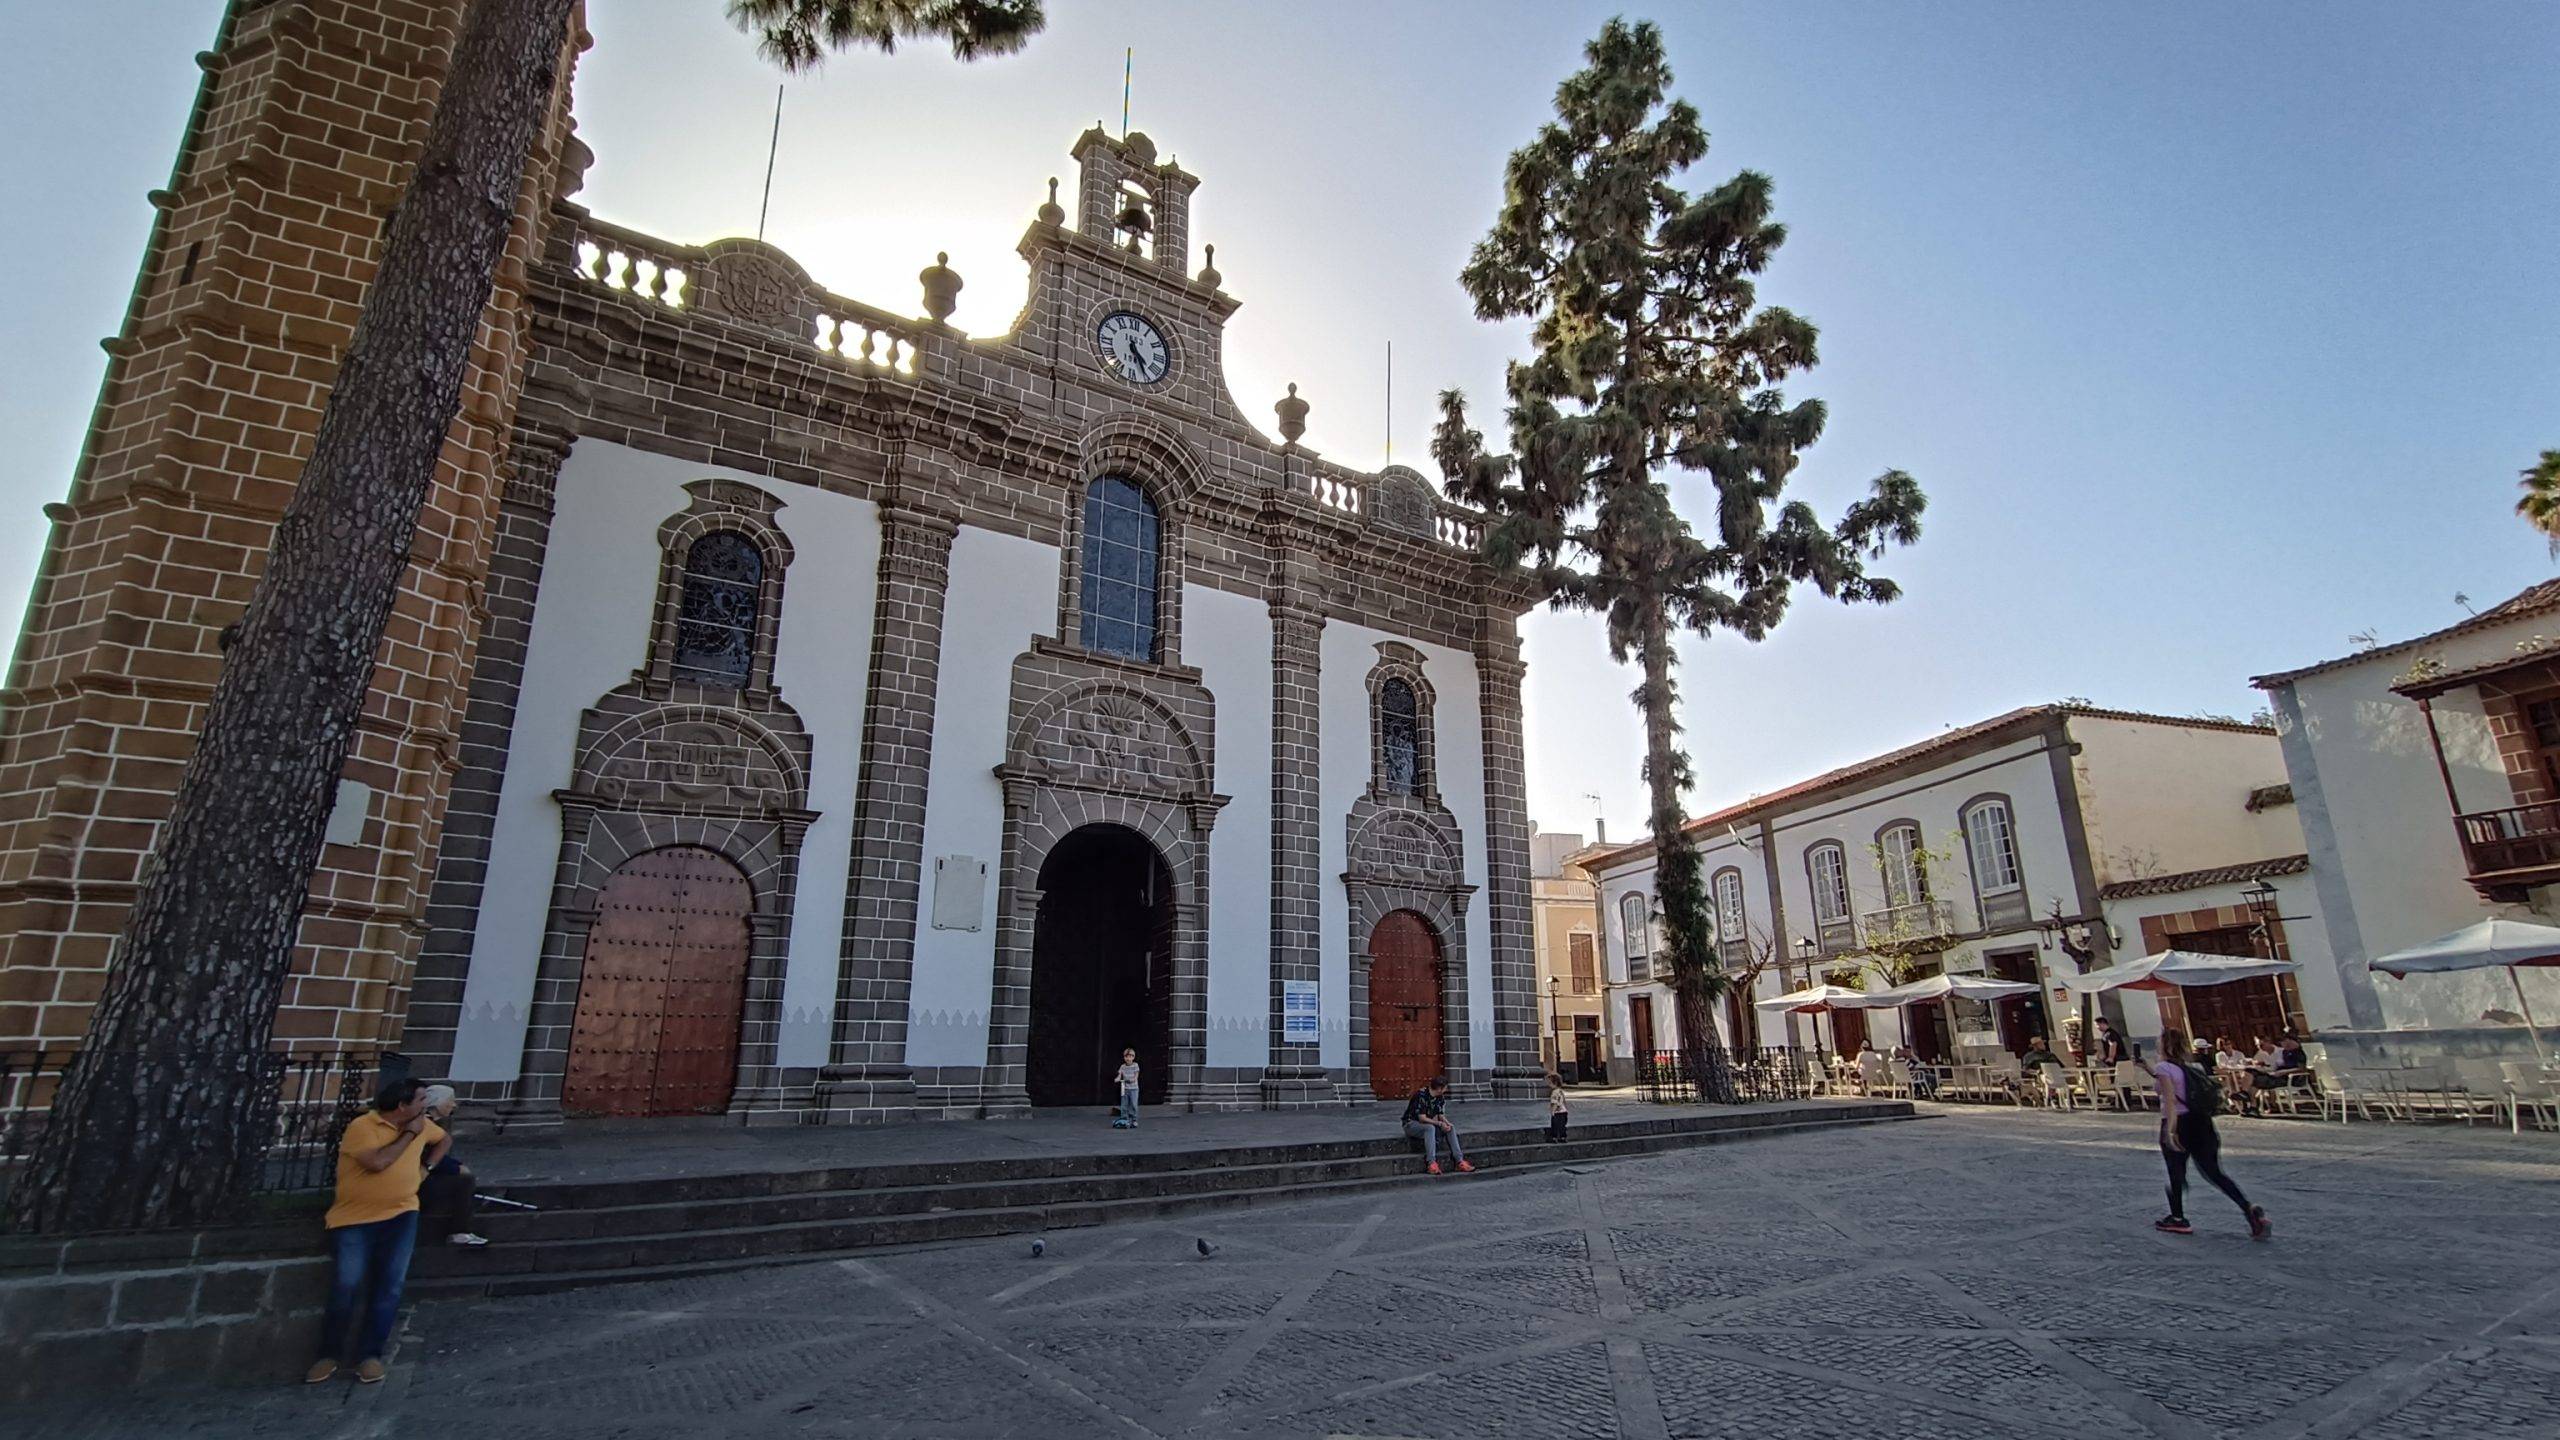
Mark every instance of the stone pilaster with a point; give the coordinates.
(1506, 823)
(488, 725)
(1295, 1074)
(868, 1070)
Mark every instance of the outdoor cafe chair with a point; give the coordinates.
(2531, 1088)
(2434, 1089)
(1897, 1080)
(2131, 1086)
(2055, 1082)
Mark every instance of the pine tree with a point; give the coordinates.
(1653, 365)
(160, 1120)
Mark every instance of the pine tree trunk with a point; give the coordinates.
(1697, 981)
(160, 1120)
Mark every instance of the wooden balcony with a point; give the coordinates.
(2510, 851)
(1920, 925)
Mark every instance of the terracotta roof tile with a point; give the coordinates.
(2199, 879)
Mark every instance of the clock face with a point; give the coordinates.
(1132, 348)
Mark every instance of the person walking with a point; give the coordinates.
(446, 1200)
(383, 1158)
(1425, 1120)
(2189, 1099)
(1558, 1114)
(2111, 1047)
(1127, 1118)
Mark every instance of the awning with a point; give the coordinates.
(2178, 970)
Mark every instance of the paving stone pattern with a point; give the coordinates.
(1973, 1274)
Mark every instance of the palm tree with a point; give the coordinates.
(2540, 506)
(158, 1121)
(1654, 361)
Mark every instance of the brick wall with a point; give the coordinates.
(310, 114)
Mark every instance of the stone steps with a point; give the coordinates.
(601, 1233)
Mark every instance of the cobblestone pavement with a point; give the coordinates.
(1973, 1274)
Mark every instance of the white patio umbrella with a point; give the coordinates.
(2485, 945)
(2178, 970)
(1949, 987)
(1816, 1000)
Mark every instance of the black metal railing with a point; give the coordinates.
(1741, 1077)
(313, 1094)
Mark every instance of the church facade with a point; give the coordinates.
(859, 719)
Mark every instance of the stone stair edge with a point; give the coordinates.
(742, 1184)
(940, 1227)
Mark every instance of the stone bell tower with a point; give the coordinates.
(308, 119)
(1126, 196)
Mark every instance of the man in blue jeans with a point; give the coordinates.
(1424, 1121)
(373, 1226)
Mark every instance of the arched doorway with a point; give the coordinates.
(1101, 969)
(1406, 1048)
(662, 989)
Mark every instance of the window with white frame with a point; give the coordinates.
(1991, 843)
(1729, 914)
(1827, 865)
(1635, 925)
(1906, 874)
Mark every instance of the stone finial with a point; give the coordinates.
(1293, 416)
(1209, 275)
(1051, 213)
(941, 287)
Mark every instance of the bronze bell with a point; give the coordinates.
(1133, 219)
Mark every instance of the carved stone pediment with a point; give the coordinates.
(1106, 734)
(1405, 842)
(753, 284)
(1402, 501)
(684, 758)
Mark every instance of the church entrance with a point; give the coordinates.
(1101, 969)
(1405, 1048)
(662, 990)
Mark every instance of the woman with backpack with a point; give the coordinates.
(2189, 1099)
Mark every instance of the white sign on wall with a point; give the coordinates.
(959, 892)
(1301, 1009)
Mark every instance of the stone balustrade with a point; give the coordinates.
(749, 283)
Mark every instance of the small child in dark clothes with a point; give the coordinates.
(1557, 1112)
(1127, 1118)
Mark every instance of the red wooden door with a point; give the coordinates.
(1640, 1027)
(663, 989)
(1404, 1006)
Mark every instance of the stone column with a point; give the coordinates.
(868, 1072)
(1295, 1074)
(1506, 860)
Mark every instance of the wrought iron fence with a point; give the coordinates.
(313, 1095)
(1743, 1077)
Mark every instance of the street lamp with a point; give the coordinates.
(2261, 900)
(1807, 950)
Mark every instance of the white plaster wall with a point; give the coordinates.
(2306, 940)
(590, 632)
(822, 663)
(1348, 653)
(1003, 591)
(1228, 637)
(2389, 834)
(2169, 798)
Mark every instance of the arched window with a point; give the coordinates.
(1122, 538)
(1906, 869)
(1828, 866)
(1991, 843)
(1729, 913)
(1399, 739)
(716, 614)
(1635, 927)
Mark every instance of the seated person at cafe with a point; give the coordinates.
(2036, 1056)
(1924, 1081)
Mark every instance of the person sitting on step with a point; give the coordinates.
(1425, 1120)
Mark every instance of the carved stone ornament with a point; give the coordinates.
(689, 762)
(1402, 501)
(1402, 847)
(754, 289)
(1111, 741)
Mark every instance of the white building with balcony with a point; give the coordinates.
(2024, 847)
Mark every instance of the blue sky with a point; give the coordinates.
(2216, 333)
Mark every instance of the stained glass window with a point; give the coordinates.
(1399, 738)
(1121, 539)
(716, 615)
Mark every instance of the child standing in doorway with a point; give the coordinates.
(1557, 1112)
(1127, 1118)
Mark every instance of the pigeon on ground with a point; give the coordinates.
(1205, 1248)
(1039, 1248)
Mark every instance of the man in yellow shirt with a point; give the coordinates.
(373, 1227)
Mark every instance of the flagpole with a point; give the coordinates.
(1128, 68)
(1391, 402)
(771, 149)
